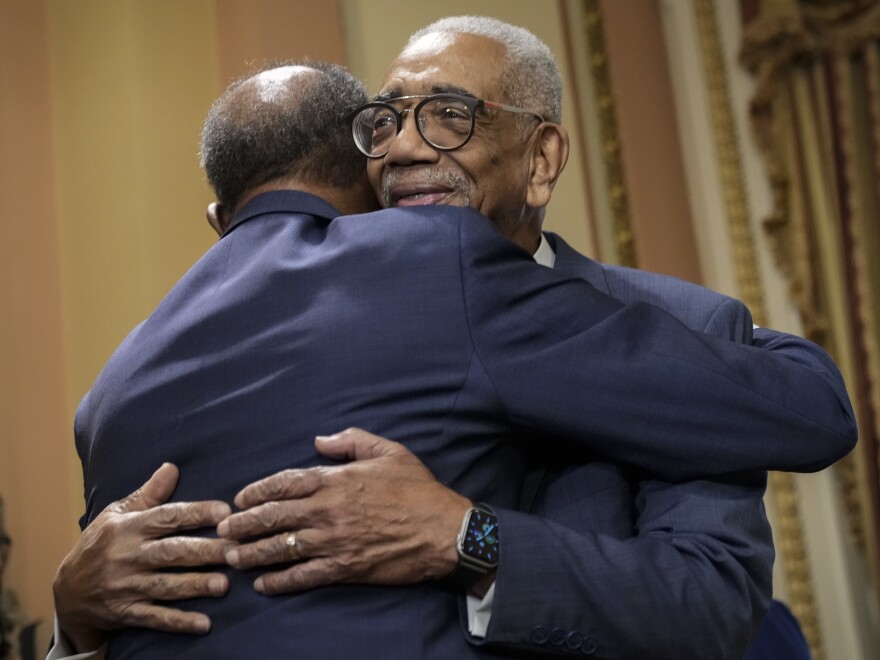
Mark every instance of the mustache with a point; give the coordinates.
(423, 174)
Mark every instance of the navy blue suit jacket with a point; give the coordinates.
(424, 325)
(615, 548)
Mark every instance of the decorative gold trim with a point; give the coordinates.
(862, 201)
(782, 486)
(796, 564)
(609, 134)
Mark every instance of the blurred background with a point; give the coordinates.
(734, 143)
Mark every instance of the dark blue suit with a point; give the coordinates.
(617, 531)
(429, 327)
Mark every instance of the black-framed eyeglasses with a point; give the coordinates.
(445, 121)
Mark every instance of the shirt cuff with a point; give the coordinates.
(61, 649)
(480, 612)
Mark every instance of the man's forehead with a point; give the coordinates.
(429, 44)
(446, 62)
(394, 89)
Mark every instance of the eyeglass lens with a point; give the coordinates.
(444, 122)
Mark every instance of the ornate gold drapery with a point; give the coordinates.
(816, 117)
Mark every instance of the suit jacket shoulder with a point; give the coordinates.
(697, 307)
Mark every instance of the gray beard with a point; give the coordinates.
(455, 182)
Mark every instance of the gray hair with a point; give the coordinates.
(299, 130)
(530, 77)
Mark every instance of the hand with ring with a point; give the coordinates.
(380, 519)
(290, 542)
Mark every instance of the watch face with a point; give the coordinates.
(481, 537)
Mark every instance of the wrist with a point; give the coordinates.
(447, 535)
(82, 636)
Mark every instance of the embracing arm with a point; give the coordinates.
(738, 408)
(627, 382)
(701, 548)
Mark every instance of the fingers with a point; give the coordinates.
(182, 551)
(168, 619)
(157, 489)
(279, 549)
(167, 518)
(300, 577)
(357, 444)
(289, 484)
(261, 520)
(177, 586)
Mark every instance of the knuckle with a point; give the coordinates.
(253, 554)
(276, 583)
(168, 551)
(192, 586)
(277, 485)
(169, 515)
(197, 512)
(156, 585)
(212, 551)
(165, 619)
(269, 515)
(345, 565)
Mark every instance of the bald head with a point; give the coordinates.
(285, 122)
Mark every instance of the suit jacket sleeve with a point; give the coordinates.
(702, 549)
(633, 384)
(685, 586)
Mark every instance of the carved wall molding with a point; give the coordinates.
(609, 135)
(783, 490)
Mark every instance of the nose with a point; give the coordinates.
(408, 146)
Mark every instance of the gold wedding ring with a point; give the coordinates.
(290, 543)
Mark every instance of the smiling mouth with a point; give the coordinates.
(418, 198)
(420, 186)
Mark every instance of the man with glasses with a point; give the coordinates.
(433, 138)
(288, 542)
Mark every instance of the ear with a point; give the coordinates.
(549, 155)
(218, 218)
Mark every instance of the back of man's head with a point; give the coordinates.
(530, 76)
(284, 121)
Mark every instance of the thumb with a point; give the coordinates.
(157, 490)
(357, 445)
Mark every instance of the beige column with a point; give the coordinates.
(652, 160)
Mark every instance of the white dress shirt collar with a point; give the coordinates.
(545, 255)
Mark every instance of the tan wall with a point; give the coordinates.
(102, 210)
(35, 449)
(102, 199)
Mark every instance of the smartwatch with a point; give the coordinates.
(477, 547)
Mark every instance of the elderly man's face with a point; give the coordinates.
(489, 173)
